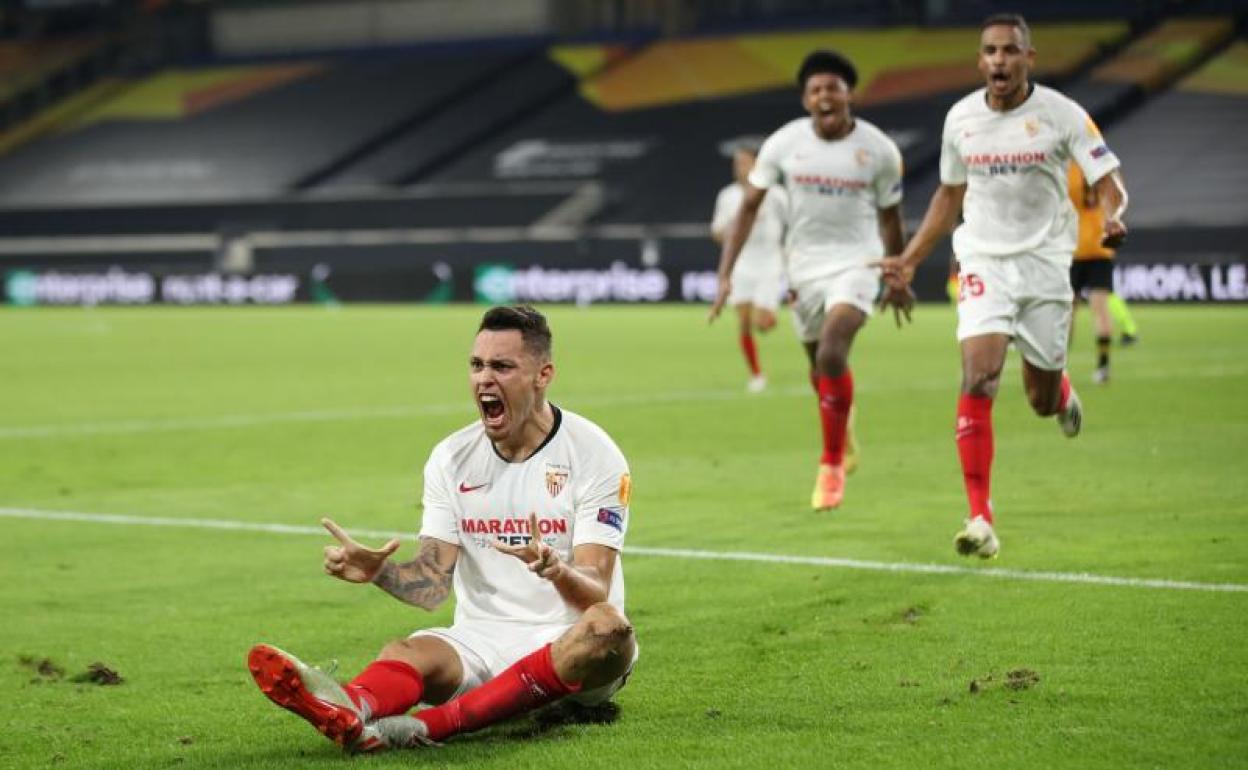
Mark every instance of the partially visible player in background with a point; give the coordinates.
(1092, 271)
(1121, 314)
(1003, 159)
(843, 179)
(756, 279)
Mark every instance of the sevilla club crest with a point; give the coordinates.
(556, 478)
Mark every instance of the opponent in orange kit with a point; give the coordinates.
(1092, 272)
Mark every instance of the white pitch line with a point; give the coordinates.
(946, 569)
(676, 553)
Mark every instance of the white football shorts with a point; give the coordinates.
(488, 649)
(1025, 297)
(855, 286)
(760, 287)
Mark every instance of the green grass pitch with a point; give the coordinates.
(286, 415)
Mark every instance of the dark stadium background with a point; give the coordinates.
(267, 151)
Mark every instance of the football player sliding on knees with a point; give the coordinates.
(539, 597)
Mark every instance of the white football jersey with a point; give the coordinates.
(761, 252)
(577, 483)
(835, 190)
(1014, 166)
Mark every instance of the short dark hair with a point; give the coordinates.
(1008, 20)
(534, 331)
(827, 61)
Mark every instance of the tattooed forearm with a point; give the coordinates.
(421, 581)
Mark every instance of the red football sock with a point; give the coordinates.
(751, 353)
(975, 451)
(1065, 397)
(836, 396)
(387, 687)
(530, 683)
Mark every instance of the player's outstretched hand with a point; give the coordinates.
(1115, 234)
(351, 561)
(900, 299)
(894, 270)
(721, 299)
(541, 559)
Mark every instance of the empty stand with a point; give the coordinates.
(653, 128)
(443, 206)
(476, 112)
(1184, 152)
(368, 163)
(1149, 64)
(235, 132)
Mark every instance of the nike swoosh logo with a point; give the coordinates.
(463, 486)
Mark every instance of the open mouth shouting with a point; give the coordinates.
(827, 112)
(999, 80)
(832, 119)
(493, 411)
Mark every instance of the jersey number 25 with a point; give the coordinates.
(969, 286)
